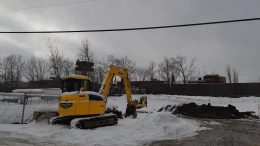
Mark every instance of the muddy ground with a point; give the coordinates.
(11, 141)
(7, 139)
(229, 133)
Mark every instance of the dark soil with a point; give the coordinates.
(208, 111)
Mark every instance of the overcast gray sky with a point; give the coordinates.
(214, 46)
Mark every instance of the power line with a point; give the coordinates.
(44, 6)
(137, 28)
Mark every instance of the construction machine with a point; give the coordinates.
(84, 109)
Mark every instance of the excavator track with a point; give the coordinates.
(86, 122)
(94, 122)
(60, 120)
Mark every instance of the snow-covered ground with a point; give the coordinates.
(146, 127)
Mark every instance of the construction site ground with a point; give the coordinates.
(221, 132)
(150, 128)
(226, 133)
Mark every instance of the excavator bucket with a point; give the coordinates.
(131, 107)
(142, 102)
(131, 110)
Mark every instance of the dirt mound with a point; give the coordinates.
(208, 111)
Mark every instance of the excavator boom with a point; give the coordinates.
(123, 74)
(106, 84)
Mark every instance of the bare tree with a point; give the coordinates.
(55, 60)
(36, 69)
(4, 68)
(187, 69)
(1, 71)
(30, 66)
(111, 59)
(232, 76)
(229, 75)
(41, 69)
(100, 69)
(99, 73)
(19, 68)
(68, 67)
(124, 62)
(151, 70)
(85, 54)
(142, 73)
(8, 67)
(168, 70)
(129, 64)
(235, 76)
(12, 69)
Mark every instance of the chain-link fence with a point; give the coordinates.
(18, 108)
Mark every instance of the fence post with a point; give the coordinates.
(24, 99)
(258, 105)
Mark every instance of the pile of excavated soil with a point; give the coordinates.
(208, 111)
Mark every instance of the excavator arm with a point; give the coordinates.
(123, 74)
(106, 84)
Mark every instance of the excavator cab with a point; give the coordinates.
(77, 99)
(75, 83)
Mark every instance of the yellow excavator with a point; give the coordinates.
(84, 109)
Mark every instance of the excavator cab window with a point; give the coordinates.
(95, 97)
(70, 84)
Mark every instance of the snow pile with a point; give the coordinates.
(145, 110)
(165, 125)
(147, 127)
